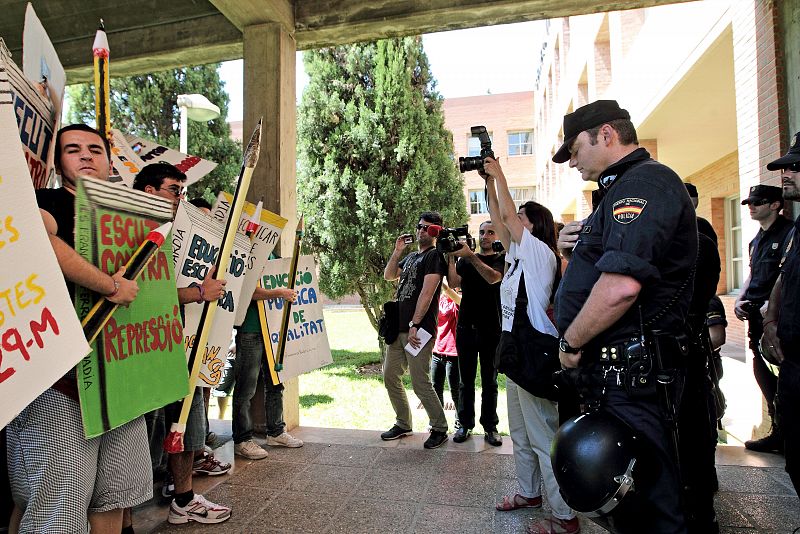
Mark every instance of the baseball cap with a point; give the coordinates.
(585, 118)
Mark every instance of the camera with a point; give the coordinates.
(449, 239)
(475, 163)
(497, 246)
(408, 238)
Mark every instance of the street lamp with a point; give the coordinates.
(199, 109)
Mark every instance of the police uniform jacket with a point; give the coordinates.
(789, 318)
(643, 227)
(766, 249)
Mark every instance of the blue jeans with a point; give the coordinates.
(441, 367)
(248, 368)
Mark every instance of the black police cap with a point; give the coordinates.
(792, 156)
(764, 192)
(691, 189)
(585, 118)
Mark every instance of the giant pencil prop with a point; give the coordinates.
(101, 312)
(101, 85)
(174, 440)
(287, 304)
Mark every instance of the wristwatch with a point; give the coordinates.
(412, 324)
(563, 346)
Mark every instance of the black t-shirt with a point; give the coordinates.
(706, 278)
(716, 313)
(704, 227)
(766, 250)
(414, 268)
(644, 227)
(789, 318)
(60, 203)
(480, 300)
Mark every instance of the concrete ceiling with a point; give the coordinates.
(695, 124)
(151, 35)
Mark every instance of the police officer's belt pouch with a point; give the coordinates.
(527, 356)
(389, 323)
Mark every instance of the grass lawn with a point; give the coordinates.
(349, 393)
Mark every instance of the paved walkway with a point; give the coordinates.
(350, 481)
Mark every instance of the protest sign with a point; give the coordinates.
(34, 114)
(307, 337)
(263, 242)
(151, 152)
(138, 363)
(196, 240)
(40, 335)
(126, 164)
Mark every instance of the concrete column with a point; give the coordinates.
(269, 92)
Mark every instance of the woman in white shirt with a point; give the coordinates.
(529, 235)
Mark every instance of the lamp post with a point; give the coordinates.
(199, 109)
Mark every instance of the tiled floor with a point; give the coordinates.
(350, 481)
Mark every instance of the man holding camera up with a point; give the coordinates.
(765, 203)
(420, 275)
(478, 331)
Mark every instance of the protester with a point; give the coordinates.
(166, 181)
(478, 276)
(782, 321)
(765, 203)
(526, 293)
(250, 368)
(630, 266)
(444, 362)
(420, 275)
(65, 484)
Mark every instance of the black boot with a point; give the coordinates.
(772, 442)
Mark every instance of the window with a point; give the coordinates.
(477, 202)
(474, 145)
(520, 143)
(521, 195)
(734, 257)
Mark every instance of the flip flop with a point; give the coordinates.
(513, 503)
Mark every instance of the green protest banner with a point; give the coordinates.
(138, 361)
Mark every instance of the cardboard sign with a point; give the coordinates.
(35, 117)
(40, 336)
(262, 244)
(307, 336)
(196, 240)
(126, 164)
(151, 152)
(138, 363)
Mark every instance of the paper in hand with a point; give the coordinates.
(424, 336)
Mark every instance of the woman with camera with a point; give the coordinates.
(526, 293)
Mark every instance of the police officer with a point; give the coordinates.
(631, 268)
(782, 321)
(765, 203)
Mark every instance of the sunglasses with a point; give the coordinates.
(176, 190)
(794, 167)
(422, 226)
(759, 202)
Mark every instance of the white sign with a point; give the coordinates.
(151, 152)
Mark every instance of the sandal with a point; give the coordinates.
(518, 501)
(554, 525)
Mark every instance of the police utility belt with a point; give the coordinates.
(639, 363)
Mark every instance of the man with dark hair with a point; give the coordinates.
(420, 275)
(765, 203)
(166, 181)
(478, 331)
(630, 267)
(60, 480)
(782, 320)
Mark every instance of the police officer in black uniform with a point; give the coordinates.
(631, 270)
(782, 321)
(765, 203)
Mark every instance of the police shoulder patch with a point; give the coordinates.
(627, 210)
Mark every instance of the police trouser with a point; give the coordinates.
(788, 411)
(766, 379)
(697, 430)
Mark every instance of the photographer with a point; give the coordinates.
(478, 276)
(530, 237)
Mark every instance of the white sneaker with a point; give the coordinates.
(284, 440)
(249, 449)
(199, 509)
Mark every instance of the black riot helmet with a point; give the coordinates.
(595, 456)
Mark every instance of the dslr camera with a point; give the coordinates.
(450, 239)
(475, 163)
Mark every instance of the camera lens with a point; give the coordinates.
(467, 164)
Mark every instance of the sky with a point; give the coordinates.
(493, 59)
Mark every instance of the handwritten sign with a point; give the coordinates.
(138, 362)
(126, 164)
(262, 243)
(151, 152)
(196, 239)
(40, 336)
(34, 114)
(307, 345)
